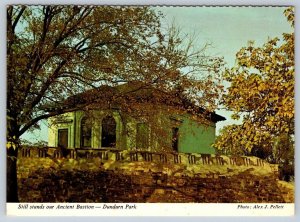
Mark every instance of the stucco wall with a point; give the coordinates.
(65, 121)
(194, 137)
(72, 122)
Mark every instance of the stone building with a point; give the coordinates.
(107, 124)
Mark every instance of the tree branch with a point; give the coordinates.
(18, 17)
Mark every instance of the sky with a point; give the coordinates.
(228, 29)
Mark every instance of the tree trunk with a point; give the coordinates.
(11, 173)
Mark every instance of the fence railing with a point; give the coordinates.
(139, 155)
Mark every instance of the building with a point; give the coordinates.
(147, 122)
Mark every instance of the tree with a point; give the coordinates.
(262, 91)
(56, 52)
(236, 140)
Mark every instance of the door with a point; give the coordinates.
(109, 126)
(63, 138)
(175, 138)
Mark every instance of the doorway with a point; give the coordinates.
(63, 141)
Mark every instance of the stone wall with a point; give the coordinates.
(133, 177)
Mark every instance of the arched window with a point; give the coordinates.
(108, 132)
(86, 133)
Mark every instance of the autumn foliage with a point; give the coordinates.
(262, 93)
(55, 52)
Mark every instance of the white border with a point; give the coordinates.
(149, 209)
(217, 209)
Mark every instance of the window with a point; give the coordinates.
(175, 137)
(142, 136)
(108, 132)
(86, 133)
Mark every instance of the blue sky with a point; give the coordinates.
(227, 28)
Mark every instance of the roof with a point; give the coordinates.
(109, 96)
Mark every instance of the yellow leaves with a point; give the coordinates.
(11, 145)
(267, 68)
(262, 85)
(235, 116)
(288, 114)
(256, 138)
(71, 49)
(290, 15)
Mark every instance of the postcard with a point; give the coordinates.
(150, 110)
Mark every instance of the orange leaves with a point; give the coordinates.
(60, 51)
(269, 88)
(262, 85)
(290, 15)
